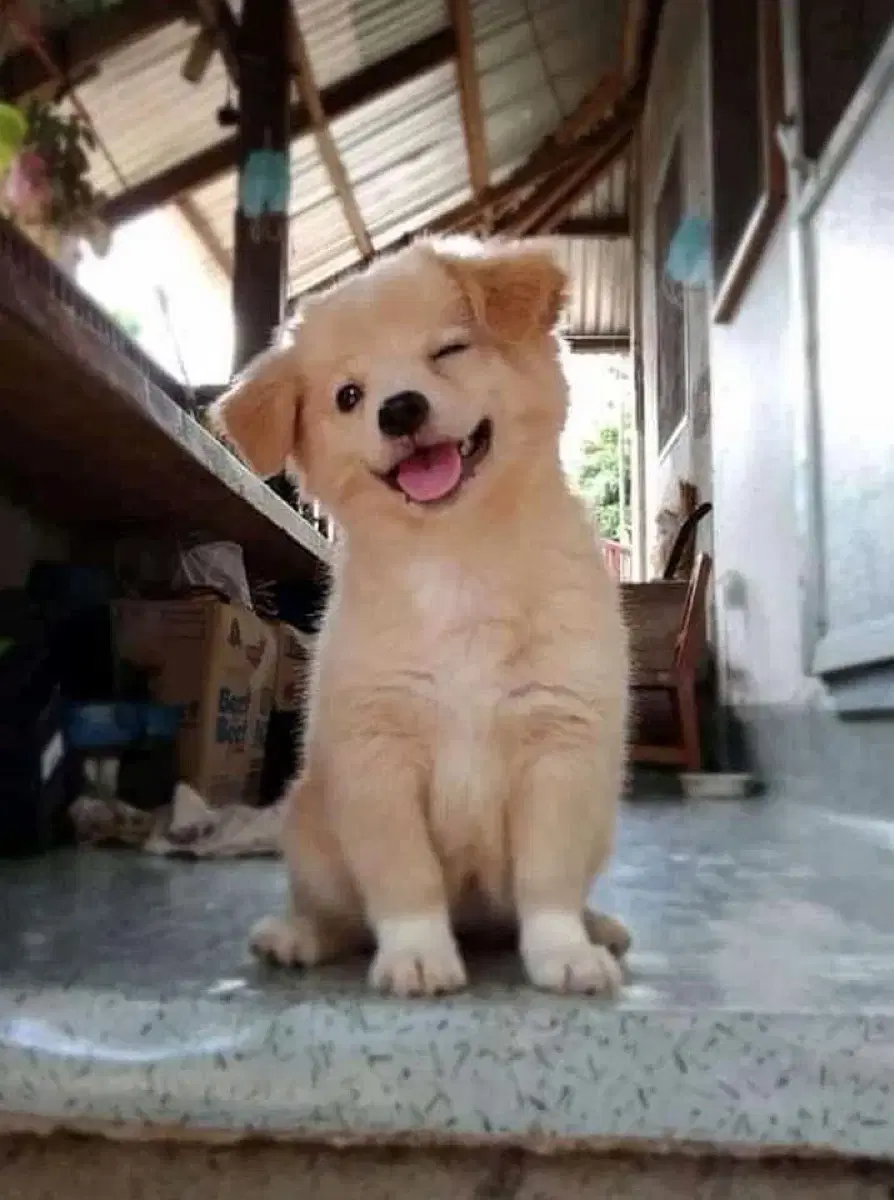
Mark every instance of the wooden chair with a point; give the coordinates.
(666, 624)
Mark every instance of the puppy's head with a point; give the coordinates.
(415, 390)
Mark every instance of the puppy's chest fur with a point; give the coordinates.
(466, 642)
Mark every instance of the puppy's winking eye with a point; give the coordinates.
(451, 348)
(348, 397)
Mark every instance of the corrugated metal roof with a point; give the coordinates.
(343, 36)
(609, 198)
(536, 60)
(405, 155)
(601, 272)
(405, 152)
(147, 115)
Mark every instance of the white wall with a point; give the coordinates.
(748, 464)
(755, 532)
(677, 102)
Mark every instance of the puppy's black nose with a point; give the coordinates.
(403, 414)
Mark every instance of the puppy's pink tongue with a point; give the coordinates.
(431, 473)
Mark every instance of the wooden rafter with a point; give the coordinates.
(605, 228)
(470, 96)
(203, 230)
(338, 99)
(635, 16)
(219, 23)
(309, 95)
(596, 105)
(550, 202)
(81, 47)
(547, 160)
(560, 152)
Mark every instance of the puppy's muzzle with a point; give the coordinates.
(403, 414)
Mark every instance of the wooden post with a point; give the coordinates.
(261, 247)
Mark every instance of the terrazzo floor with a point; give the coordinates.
(759, 1013)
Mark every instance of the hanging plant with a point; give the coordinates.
(45, 187)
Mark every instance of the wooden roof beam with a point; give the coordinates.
(635, 15)
(608, 228)
(548, 159)
(218, 23)
(202, 229)
(470, 96)
(550, 202)
(338, 100)
(81, 47)
(310, 97)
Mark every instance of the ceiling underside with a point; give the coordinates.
(401, 115)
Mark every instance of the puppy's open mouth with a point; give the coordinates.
(432, 474)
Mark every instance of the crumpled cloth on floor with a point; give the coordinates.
(188, 827)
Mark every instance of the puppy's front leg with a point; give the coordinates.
(562, 826)
(378, 791)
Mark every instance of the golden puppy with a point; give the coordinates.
(465, 734)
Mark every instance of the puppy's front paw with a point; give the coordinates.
(288, 943)
(559, 956)
(592, 969)
(417, 956)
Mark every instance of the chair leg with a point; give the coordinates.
(689, 730)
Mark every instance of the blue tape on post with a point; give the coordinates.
(264, 186)
(689, 254)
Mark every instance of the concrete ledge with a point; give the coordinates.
(62, 1167)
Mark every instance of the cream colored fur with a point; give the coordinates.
(465, 736)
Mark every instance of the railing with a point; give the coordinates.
(617, 559)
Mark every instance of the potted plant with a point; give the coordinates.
(45, 188)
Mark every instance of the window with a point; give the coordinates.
(844, 260)
(748, 170)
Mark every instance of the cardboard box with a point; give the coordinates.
(292, 664)
(218, 663)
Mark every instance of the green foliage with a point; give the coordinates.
(599, 478)
(63, 142)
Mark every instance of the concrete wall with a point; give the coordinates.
(792, 732)
(677, 103)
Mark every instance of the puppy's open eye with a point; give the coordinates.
(449, 350)
(348, 397)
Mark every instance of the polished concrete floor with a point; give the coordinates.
(749, 904)
(759, 1010)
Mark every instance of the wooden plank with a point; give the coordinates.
(338, 99)
(201, 228)
(635, 15)
(261, 258)
(548, 158)
(309, 94)
(605, 228)
(595, 107)
(86, 42)
(552, 200)
(218, 20)
(470, 95)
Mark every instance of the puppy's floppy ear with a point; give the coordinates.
(259, 413)
(516, 290)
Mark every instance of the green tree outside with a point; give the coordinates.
(598, 479)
